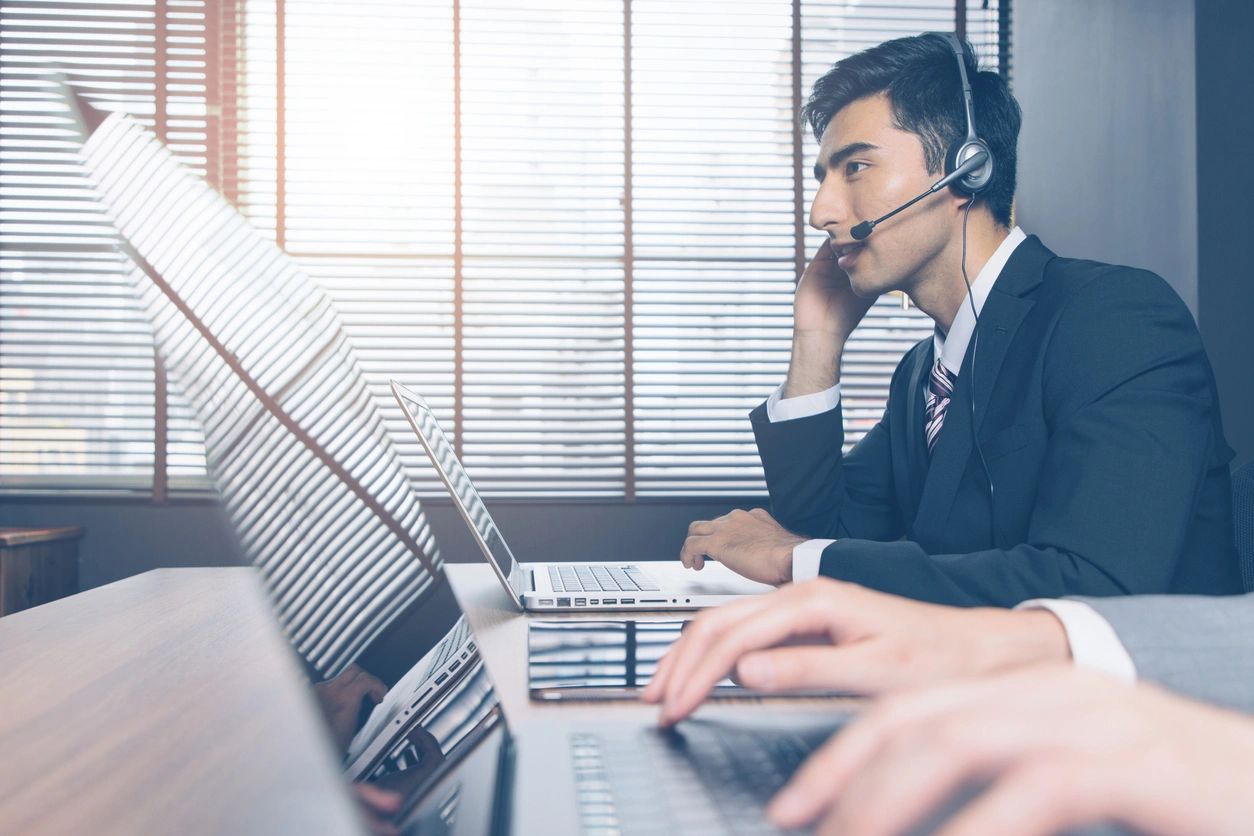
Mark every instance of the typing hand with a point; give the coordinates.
(1059, 748)
(858, 640)
(750, 543)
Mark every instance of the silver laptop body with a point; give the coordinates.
(559, 586)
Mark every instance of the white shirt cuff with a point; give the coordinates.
(806, 558)
(779, 408)
(1094, 643)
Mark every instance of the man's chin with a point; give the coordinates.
(866, 287)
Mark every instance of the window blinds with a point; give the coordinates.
(573, 226)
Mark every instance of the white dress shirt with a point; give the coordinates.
(1093, 641)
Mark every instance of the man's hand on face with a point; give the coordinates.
(858, 640)
(1060, 748)
(750, 543)
(825, 312)
(824, 300)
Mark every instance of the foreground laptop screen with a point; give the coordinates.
(416, 714)
(462, 490)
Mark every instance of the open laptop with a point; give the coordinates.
(559, 587)
(440, 738)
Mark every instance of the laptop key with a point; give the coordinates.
(605, 579)
(625, 583)
(643, 582)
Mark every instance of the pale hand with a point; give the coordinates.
(750, 543)
(857, 640)
(1061, 748)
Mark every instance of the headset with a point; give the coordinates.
(969, 167)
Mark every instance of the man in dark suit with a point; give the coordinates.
(1100, 468)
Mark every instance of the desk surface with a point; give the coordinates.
(165, 703)
(502, 635)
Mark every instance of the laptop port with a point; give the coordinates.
(581, 602)
(609, 600)
(629, 600)
(653, 600)
(563, 602)
(546, 602)
(594, 601)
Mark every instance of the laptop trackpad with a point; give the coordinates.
(714, 579)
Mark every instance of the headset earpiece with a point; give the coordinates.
(976, 181)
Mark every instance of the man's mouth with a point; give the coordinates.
(846, 254)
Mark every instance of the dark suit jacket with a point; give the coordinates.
(1099, 421)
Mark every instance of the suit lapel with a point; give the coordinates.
(910, 482)
(1004, 310)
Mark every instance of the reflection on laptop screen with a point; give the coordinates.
(435, 735)
(445, 460)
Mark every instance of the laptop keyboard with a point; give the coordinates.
(700, 778)
(593, 577)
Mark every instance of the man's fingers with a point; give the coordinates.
(914, 774)
(865, 667)
(694, 547)
(826, 772)
(810, 791)
(701, 527)
(654, 690)
(696, 637)
(1046, 795)
(790, 613)
(901, 717)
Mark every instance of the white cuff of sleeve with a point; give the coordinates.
(806, 558)
(779, 408)
(1094, 644)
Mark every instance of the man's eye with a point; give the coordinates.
(852, 167)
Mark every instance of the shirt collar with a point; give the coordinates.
(952, 347)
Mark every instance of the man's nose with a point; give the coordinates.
(830, 210)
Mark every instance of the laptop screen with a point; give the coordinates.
(416, 714)
(460, 488)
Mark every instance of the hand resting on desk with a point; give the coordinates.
(750, 543)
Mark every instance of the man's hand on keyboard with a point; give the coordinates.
(750, 543)
(1058, 747)
(834, 636)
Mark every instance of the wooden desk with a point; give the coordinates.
(501, 632)
(165, 703)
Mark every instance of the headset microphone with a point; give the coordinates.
(864, 229)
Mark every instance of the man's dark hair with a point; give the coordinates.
(920, 77)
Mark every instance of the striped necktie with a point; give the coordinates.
(940, 387)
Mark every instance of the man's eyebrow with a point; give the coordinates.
(840, 155)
